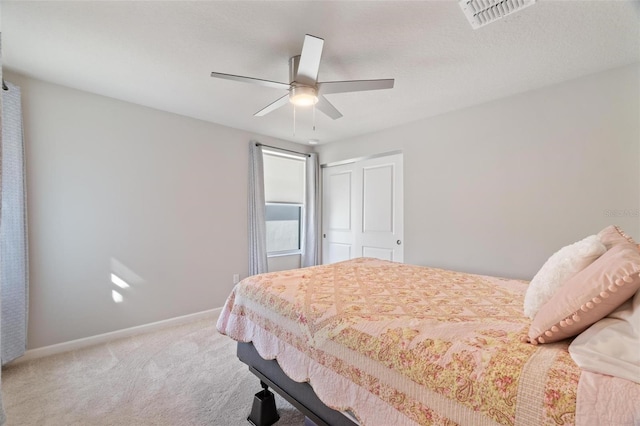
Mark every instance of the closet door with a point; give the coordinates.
(363, 210)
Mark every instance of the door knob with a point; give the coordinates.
(398, 242)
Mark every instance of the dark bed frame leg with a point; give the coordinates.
(263, 410)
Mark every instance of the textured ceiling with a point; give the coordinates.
(160, 54)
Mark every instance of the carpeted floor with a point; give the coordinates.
(185, 375)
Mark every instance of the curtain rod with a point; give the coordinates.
(283, 149)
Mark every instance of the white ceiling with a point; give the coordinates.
(160, 54)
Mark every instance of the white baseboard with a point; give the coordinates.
(114, 335)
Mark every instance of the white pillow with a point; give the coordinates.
(611, 346)
(561, 266)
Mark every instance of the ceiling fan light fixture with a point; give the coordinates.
(303, 96)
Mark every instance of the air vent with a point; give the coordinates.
(483, 12)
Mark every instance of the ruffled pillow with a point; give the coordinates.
(612, 235)
(588, 296)
(561, 266)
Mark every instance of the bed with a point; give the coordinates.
(373, 342)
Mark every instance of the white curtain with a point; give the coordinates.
(2, 415)
(312, 240)
(256, 214)
(13, 230)
(3, 418)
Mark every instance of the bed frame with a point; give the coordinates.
(300, 395)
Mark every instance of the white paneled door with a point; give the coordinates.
(363, 210)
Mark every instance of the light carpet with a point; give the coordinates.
(183, 375)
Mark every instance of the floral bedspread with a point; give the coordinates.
(398, 344)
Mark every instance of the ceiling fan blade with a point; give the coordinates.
(267, 83)
(309, 60)
(273, 106)
(354, 86)
(327, 107)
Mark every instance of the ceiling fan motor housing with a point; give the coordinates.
(294, 61)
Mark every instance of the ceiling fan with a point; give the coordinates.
(304, 88)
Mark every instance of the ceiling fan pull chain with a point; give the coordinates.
(294, 120)
(314, 117)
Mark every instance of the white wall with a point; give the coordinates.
(497, 188)
(161, 198)
(158, 198)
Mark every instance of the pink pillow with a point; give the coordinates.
(612, 235)
(588, 296)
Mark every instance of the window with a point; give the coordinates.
(284, 197)
(284, 228)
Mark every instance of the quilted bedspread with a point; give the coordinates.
(398, 344)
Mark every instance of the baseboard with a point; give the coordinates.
(114, 335)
